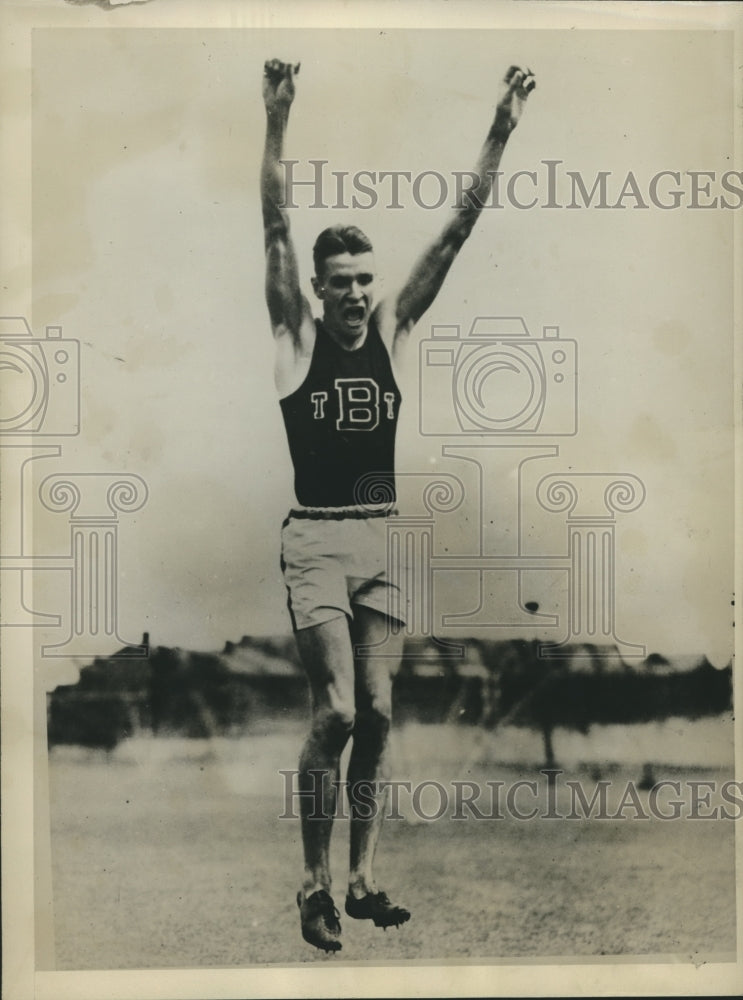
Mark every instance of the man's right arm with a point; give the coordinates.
(291, 317)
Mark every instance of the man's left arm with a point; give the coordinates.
(432, 267)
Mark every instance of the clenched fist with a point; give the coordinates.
(517, 85)
(278, 84)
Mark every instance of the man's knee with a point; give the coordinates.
(333, 725)
(373, 721)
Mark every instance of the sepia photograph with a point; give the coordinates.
(371, 404)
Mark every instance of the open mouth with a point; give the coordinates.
(354, 315)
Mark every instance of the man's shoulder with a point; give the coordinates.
(393, 331)
(384, 321)
(294, 356)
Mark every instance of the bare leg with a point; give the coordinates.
(327, 658)
(369, 763)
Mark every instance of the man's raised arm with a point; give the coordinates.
(286, 305)
(430, 270)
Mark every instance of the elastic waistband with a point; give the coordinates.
(353, 512)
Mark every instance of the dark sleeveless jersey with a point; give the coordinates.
(341, 423)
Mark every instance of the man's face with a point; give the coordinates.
(347, 290)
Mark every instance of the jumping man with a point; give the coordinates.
(340, 404)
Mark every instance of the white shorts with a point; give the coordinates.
(333, 559)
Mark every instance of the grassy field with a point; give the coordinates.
(170, 853)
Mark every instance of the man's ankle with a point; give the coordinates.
(309, 887)
(360, 887)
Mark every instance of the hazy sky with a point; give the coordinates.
(147, 247)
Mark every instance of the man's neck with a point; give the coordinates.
(345, 340)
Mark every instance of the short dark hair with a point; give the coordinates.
(337, 240)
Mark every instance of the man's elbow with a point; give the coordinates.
(457, 232)
(275, 226)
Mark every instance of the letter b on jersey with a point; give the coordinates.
(358, 404)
